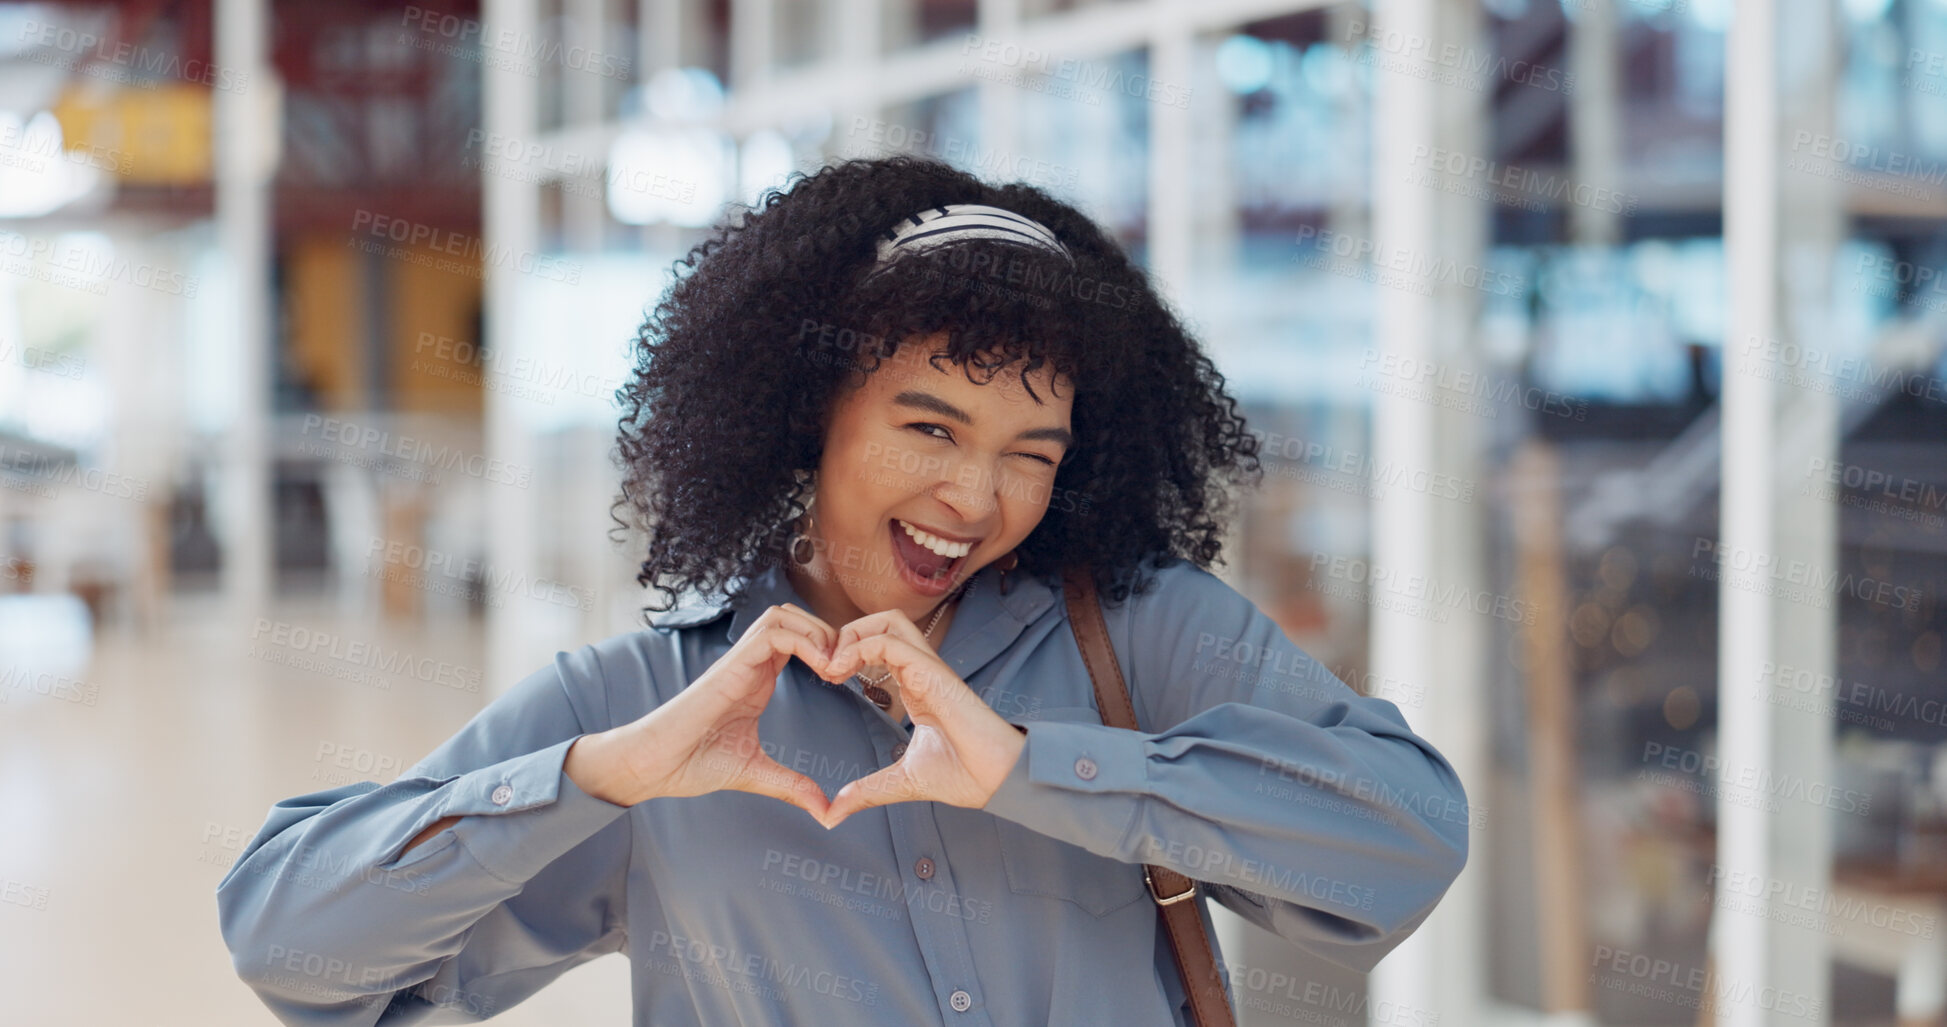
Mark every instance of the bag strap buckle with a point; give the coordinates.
(1189, 889)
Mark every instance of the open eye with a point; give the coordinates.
(924, 426)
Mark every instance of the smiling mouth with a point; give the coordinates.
(929, 558)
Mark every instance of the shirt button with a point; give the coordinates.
(961, 1001)
(1085, 769)
(502, 794)
(924, 868)
(898, 751)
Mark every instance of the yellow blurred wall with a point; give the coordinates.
(435, 364)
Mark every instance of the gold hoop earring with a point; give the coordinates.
(1008, 563)
(803, 549)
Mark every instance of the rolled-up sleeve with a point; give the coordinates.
(330, 921)
(1306, 808)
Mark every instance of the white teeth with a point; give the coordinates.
(950, 550)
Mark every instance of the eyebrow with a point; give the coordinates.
(928, 401)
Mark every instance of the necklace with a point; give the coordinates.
(872, 686)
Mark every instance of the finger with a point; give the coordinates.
(885, 622)
(889, 651)
(765, 776)
(889, 785)
(815, 626)
(802, 621)
(921, 675)
(786, 643)
(927, 685)
(771, 648)
(754, 648)
(861, 649)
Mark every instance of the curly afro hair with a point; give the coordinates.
(769, 321)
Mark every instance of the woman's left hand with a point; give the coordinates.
(960, 750)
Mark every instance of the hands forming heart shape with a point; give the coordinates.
(705, 739)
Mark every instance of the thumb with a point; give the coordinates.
(766, 776)
(879, 788)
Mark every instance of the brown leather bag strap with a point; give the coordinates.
(1174, 893)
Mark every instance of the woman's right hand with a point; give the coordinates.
(705, 739)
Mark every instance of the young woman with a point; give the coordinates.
(859, 775)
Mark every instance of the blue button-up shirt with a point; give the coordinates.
(1306, 808)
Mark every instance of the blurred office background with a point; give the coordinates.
(1596, 348)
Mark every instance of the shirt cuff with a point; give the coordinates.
(1080, 783)
(519, 815)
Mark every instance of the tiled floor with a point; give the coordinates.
(128, 789)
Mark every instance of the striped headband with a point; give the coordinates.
(958, 222)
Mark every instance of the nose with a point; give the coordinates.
(969, 488)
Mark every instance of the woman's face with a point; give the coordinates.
(928, 477)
